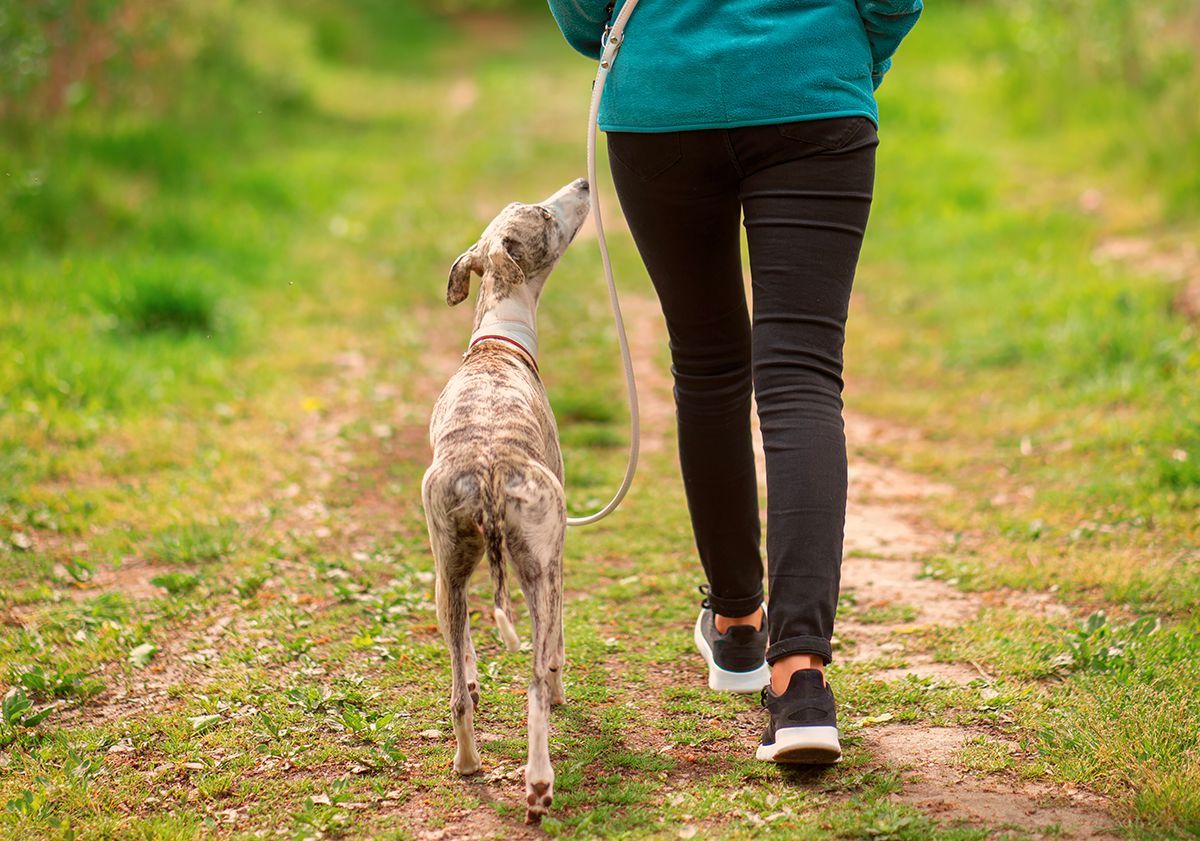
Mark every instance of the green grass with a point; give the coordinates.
(222, 325)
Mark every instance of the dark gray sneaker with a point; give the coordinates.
(803, 728)
(735, 658)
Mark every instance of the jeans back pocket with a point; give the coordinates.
(646, 154)
(833, 133)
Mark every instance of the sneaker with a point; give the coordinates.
(735, 658)
(803, 728)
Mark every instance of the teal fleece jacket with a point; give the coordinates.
(696, 64)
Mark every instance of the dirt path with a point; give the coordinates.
(885, 532)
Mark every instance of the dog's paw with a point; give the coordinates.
(557, 694)
(467, 763)
(539, 797)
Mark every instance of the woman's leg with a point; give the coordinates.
(806, 195)
(679, 193)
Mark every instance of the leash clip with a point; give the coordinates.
(611, 38)
(608, 26)
(611, 43)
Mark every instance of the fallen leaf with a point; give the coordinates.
(875, 719)
(201, 723)
(143, 654)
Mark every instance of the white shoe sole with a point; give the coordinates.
(803, 746)
(746, 683)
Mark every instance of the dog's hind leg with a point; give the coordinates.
(452, 616)
(471, 667)
(457, 548)
(537, 526)
(539, 774)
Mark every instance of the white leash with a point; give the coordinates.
(613, 43)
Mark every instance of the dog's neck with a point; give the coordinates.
(514, 319)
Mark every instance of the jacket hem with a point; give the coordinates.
(765, 121)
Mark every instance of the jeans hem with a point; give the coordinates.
(800, 645)
(735, 607)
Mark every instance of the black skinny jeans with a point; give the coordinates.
(804, 189)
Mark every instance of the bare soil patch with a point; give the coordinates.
(936, 783)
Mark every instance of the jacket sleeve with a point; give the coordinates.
(886, 22)
(582, 23)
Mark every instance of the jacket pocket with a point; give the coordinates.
(646, 154)
(832, 134)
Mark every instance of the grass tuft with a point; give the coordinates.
(155, 303)
(195, 543)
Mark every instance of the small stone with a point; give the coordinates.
(1091, 200)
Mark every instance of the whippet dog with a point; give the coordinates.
(496, 482)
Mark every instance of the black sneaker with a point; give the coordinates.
(803, 728)
(735, 658)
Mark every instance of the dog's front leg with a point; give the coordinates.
(558, 695)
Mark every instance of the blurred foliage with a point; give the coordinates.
(143, 199)
(107, 102)
(1085, 61)
(61, 54)
(1148, 46)
(458, 6)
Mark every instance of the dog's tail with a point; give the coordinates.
(492, 524)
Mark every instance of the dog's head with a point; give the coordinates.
(520, 247)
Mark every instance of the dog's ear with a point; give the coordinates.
(460, 276)
(503, 266)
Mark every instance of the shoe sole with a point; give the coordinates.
(722, 680)
(803, 746)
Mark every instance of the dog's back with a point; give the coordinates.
(496, 461)
(493, 415)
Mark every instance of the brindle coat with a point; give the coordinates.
(496, 482)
